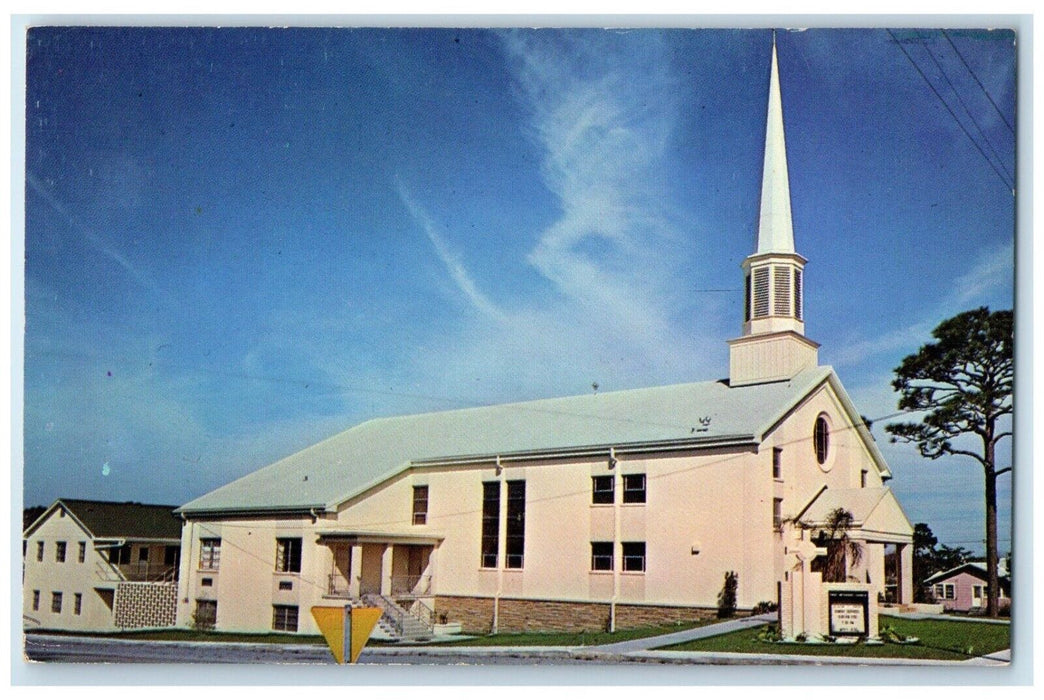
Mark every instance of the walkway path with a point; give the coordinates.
(663, 640)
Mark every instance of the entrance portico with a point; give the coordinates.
(389, 564)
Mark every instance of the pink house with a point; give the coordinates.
(963, 588)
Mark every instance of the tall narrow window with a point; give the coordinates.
(634, 556)
(210, 553)
(777, 463)
(59, 552)
(601, 556)
(77, 603)
(56, 601)
(634, 488)
(862, 479)
(821, 439)
(36, 600)
(81, 555)
(602, 489)
(781, 276)
(420, 505)
(288, 554)
(516, 524)
(777, 513)
(761, 292)
(143, 554)
(39, 551)
(490, 523)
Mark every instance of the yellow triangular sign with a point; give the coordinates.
(331, 622)
(363, 620)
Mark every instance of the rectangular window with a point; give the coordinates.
(634, 488)
(286, 585)
(59, 552)
(777, 513)
(206, 614)
(777, 463)
(81, 556)
(77, 603)
(206, 582)
(420, 505)
(949, 594)
(36, 600)
(938, 591)
(210, 553)
(862, 479)
(172, 555)
(56, 601)
(39, 551)
(603, 489)
(288, 554)
(976, 591)
(601, 556)
(143, 553)
(634, 556)
(516, 524)
(120, 555)
(490, 523)
(284, 618)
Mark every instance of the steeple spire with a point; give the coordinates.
(773, 345)
(775, 227)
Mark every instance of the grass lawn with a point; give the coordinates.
(940, 639)
(571, 639)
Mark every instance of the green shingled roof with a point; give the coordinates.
(330, 472)
(139, 521)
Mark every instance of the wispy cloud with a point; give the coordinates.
(994, 269)
(454, 265)
(96, 241)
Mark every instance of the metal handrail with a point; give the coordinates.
(411, 584)
(337, 585)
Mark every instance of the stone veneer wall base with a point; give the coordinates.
(520, 615)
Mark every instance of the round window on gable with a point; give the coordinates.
(821, 439)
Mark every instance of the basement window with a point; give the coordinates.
(284, 618)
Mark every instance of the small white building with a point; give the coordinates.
(600, 511)
(98, 566)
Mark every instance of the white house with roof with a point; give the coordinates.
(100, 565)
(608, 510)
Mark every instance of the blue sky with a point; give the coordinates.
(239, 242)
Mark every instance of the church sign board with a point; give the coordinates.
(849, 613)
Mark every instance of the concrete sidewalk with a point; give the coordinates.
(703, 632)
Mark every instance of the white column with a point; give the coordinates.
(386, 569)
(355, 573)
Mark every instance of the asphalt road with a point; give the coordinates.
(57, 648)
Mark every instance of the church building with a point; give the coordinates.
(602, 511)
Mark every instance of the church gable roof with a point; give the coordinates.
(685, 415)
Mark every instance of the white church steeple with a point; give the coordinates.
(773, 345)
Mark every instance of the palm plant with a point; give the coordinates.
(842, 551)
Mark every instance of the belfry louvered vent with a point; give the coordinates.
(797, 294)
(782, 305)
(761, 292)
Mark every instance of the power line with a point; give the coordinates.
(950, 110)
(957, 94)
(979, 83)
